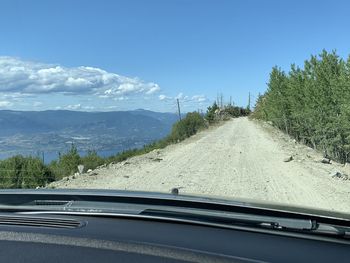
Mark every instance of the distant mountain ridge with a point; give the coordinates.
(24, 122)
(51, 130)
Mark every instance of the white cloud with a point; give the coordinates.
(26, 77)
(5, 104)
(185, 98)
(164, 97)
(73, 107)
(89, 108)
(27, 85)
(76, 107)
(16, 96)
(112, 107)
(37, 103)
(180, 96)
(77, 82)
(132, 86)
(199, 98)
(120, 98)
(154, 89)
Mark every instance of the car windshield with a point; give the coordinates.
(237, 100)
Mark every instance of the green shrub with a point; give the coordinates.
(210, 115)
(235, 111)
(56, 170)
(67, 163)
(70, 160)
(187, 127)
(91, 160)
(24, 172)
(214, 113)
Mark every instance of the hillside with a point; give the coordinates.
(28, 132)
(240, 159)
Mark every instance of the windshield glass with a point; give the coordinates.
(231, 99)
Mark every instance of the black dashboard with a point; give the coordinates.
(64, 238)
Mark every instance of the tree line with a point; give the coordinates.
(312, 103)
(216, 113)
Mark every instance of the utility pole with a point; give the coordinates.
(230, 100)
(178, 107)
(221, 101)
(249, 102)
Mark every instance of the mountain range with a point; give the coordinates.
(28, 132)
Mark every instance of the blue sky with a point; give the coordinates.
(119, 55)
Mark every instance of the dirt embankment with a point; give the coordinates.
(242, 158)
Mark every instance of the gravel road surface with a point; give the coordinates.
(238, 159)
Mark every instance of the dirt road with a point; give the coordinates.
(240, 158)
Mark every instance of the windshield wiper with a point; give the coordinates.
(332, 230)
(309, 226)
(235, 219)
